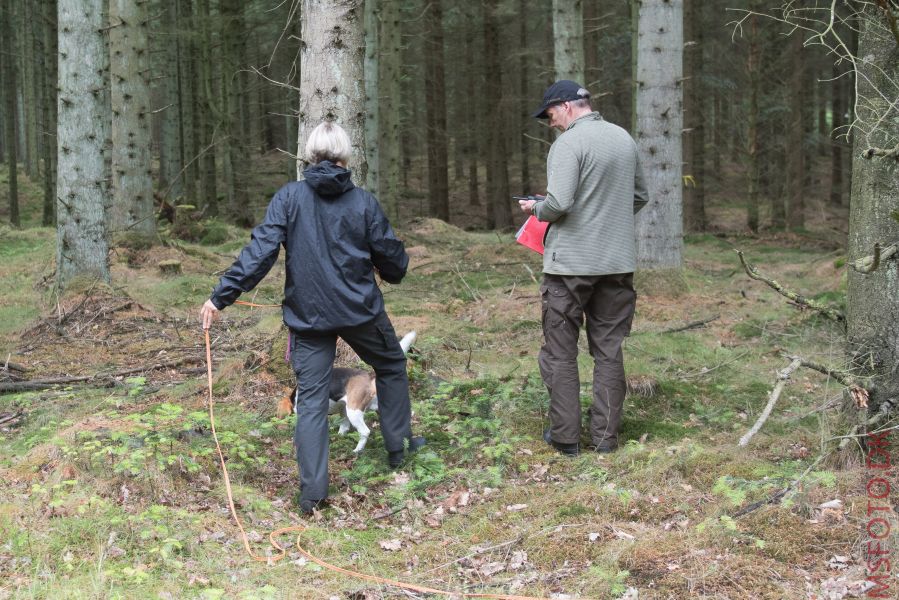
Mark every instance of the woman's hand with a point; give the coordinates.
(208, 314)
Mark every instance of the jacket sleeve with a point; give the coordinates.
(561, 183)
(388, 254)
(257, 257)
(641, 194)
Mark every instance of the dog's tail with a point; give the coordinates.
(407, 341)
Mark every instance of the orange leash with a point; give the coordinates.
(298, 529)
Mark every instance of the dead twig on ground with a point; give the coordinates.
(692, 325)
(782, 378)
(40, 384)
(802, 301)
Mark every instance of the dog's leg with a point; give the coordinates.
(356, 417)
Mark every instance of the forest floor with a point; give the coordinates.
(111, 487)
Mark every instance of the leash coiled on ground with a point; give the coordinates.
(299, 529)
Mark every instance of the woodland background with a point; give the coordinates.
(223, 94)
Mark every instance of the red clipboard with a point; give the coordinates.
(531, 234)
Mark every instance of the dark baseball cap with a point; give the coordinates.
(563, 90)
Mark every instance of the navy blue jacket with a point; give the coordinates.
(335, 236)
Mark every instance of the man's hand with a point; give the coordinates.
(527, 206)
(208, 314)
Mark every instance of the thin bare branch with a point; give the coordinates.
(802, 301)
(782, 378)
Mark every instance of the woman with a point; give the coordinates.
(335, 237)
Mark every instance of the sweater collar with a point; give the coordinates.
(591, 116)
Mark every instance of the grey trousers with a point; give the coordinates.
(312, 356)
(607, 304)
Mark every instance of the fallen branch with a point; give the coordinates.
(776, 496)
(40, 384)
(693, 325)
(11, 419)
(802, 301)
(856, 389)
(782, 378)
(869, 264)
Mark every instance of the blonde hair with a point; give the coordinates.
(328, 141)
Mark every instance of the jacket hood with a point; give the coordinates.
(328, 179)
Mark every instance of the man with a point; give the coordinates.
(335, 237)
(594, 188)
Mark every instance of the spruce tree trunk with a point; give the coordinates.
(208, 115)
(332, 81)
(435, 104)
(9, 107)
(754, 68)
(795, 196)
(472, 130)
(28, 89)
(188, 121)
(837, 135)
(873, 299)
(568, 33)
(391, 106)
(499, 201)
(83, 129)
(524, 69)
(170, 160)
(372, 102)
(659, 124)
(694, 117)
(48, 110)
(132, 183)
(235, 157)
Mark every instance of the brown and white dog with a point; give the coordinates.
(352, 393)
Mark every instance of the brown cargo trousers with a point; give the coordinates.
(607, 302)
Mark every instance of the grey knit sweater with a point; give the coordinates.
(594, 188)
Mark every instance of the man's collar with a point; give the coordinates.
(590, 116)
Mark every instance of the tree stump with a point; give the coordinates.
(170, 267)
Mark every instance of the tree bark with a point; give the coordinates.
(568, 33)
(132, 182)
(873, 299)
(83, 130)
(658, 135)
(9, 64)
(332, 80)
(435, 103)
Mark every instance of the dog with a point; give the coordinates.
(352, 393)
